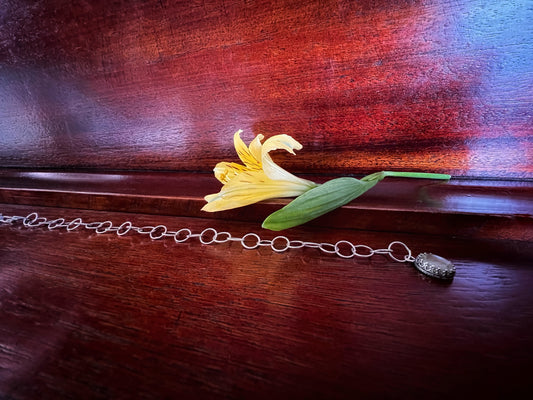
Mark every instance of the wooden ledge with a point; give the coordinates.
(461, 207)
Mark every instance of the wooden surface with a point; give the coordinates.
(120, 110)
(462, 208)
(91, 316)
(434, 85)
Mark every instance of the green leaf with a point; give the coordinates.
(319, 201)
(331, 195)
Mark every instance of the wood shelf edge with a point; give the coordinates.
(463, 208)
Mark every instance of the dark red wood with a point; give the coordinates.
(89, 316)
(119, 111)
(436, 85)
(465, 208)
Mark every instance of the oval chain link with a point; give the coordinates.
(396, 250)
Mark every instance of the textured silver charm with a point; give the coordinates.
(435, 266)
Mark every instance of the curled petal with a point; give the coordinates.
(255, 147)
(274, 171)
(244, 153)
(225, 171)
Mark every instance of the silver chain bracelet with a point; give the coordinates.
(427, 263)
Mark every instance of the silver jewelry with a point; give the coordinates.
(435, 266)
(427, 263)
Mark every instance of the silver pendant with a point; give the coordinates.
(435, 266)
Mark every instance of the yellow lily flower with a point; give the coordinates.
(260, 178)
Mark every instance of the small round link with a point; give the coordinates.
(205, 231)
(162, 231)
(407, 257)
(145, 230)
(179, 239)
(338, 250)
(124, 228)
(284, 247)
(226, 237)
(296, 244)
(30, 219)
(364, 247)
(93, 225)
(5, 220)
(250, 235)
(327, 248)
(33, 220)
(104, 227)
(56, 223)
(250, 241)
(75, 223)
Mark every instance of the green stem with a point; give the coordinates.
(377, 176)
(424, 175)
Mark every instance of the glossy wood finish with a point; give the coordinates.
(88, 316)
(434, 85)
(119, 111)
(463, 208)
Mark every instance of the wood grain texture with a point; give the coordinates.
(100, 316)
(462, 208)
(433, 85)
(119, 111)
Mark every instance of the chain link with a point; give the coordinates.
(396, 250)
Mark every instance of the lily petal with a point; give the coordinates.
(259, 178)
(225, 171)
(244, 153)
(274, 171)
(255, 147)
(248, 188)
